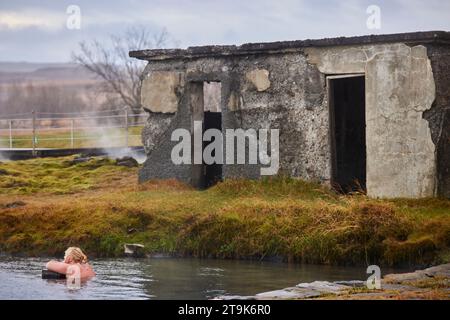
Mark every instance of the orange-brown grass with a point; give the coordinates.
(99, 206)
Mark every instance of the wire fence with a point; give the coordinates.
(109, 128)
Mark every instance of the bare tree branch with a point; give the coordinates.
(120, 74)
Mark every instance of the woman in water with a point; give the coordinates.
(72, 257)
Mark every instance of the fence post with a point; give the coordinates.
(126, 127)
(34, 133)
(10, 135)
(71, 132)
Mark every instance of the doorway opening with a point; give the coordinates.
(206, 107)
(347, 107)
(212, 119)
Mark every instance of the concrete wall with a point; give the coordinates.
(401, 159)
(288, 92)
(273, 92)
(438, 116)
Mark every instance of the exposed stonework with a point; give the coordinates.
(401, 159)
(159, 91)
(155, 130)
(259, 78)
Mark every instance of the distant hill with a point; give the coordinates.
(13, 72)
(29, 66)
(63, 79)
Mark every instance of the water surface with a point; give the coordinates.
(166, 278)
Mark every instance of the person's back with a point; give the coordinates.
(73, 258)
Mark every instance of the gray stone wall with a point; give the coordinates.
(260, 92)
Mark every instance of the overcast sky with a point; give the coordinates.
(36, 31)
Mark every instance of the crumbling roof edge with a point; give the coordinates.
(286, 46)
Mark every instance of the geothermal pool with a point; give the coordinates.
(166, 278)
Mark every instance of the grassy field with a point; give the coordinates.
(111, 137)
(47, 205)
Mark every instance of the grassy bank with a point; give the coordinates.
(47, 205)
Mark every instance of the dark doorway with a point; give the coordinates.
(348, 132)
(205, 102)
(212, 119)
(212, 172)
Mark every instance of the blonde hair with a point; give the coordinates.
(76, 254)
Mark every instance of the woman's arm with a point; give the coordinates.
(57, 266)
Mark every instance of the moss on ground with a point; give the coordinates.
(99, 206)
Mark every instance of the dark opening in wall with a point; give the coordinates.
(348, 132)
(212, 119)
(206, 107)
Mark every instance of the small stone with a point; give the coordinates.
(78, 160)
(127, 162)
(14, 204)
(134, 250)
(131, 230)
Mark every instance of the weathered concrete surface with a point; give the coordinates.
(400, 87)
(295, 103)
(439, 115)
(429, 37)
(155, 130)
(159, 91)
(259, 78)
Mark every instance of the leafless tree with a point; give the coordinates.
(119, 73)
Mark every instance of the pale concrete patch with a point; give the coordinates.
(259, 78)
(159, 91)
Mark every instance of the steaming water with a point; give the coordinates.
(20, 278)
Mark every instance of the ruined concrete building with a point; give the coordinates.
(370, 110)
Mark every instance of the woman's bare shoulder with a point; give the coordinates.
(56, 266)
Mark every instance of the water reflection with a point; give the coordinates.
(20, 278)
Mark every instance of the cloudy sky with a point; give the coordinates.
(37, 30)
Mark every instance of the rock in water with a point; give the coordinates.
(47, 274)
(134, 250)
